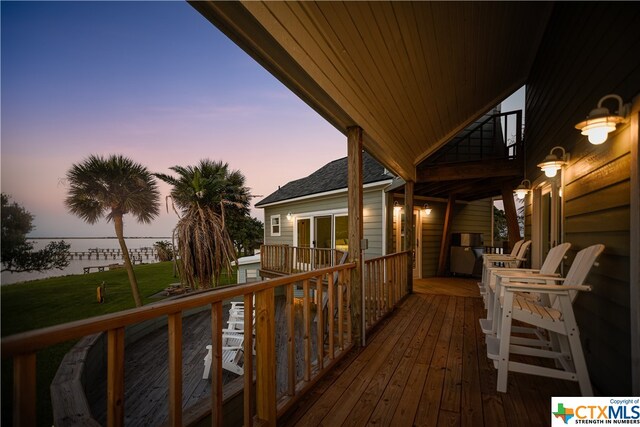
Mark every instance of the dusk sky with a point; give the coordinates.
(153, 81)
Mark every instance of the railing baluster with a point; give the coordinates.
(319, 323)
(115, 377)
(341, 310)
(175, 368)
(248, 359)
(266, 360)
(330, 314)
(24, 390)
(291, 343)
(306, 314)
(216, 364)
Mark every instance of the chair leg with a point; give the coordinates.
(505, 338)
(573, 334)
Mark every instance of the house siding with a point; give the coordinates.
(473, 217)
(596, 194)
(373, 217)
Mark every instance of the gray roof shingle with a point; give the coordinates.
(332, 176)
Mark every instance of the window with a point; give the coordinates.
(341, 232)
(275, 225)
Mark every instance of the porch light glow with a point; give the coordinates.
(523, 189)
(396, 207)
(289, 216)
(600, 121)
(426, 209)
(552, 163)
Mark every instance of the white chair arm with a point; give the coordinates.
(543, 289)
(533, 278)
(509, 270)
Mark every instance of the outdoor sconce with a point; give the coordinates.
(523, 189)
(600, 121)
(396, 207)
(289, 216)
(552, 163)
(426, 209)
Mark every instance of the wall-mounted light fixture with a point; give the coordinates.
(396, 207)
(426, 209)
(289, 216)
(552, 163)
(600, 121)
(523, 189)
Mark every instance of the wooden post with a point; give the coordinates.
(409, 239)
(265, 358)
(175, 369)
(512, 216)
(634, 249)
(216, 364)
(446, 236)
(24, 390)
(115, 377)
(355, 207)
(248, 360)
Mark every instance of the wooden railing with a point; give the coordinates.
(335, 326)
(285, 259)
(385, 284)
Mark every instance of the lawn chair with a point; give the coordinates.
(553, 313)
(491, 261)
(232, 355)
(548, 269)
(232, 342)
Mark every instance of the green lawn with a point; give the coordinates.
(40, 303)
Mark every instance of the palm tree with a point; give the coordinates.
(206, 194)
(113, 187)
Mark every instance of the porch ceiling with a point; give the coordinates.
(411, 74)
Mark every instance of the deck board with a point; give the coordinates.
(427, 365)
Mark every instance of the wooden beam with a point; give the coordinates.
(513, 229)
(115, 377)
(216, 364)
(248, 360)
(446, 236)
(355, 207)
(266, 409)
(634, 250)
(409, 240)
(175, 369)
(24, 390)
(471, 170)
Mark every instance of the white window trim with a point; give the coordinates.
(279, 220)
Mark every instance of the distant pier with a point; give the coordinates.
(138, 254)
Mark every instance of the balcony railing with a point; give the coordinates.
(385, 285)
(285, 259)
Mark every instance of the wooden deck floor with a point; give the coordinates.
(427, 365)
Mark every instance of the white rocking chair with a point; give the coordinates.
(554, 313)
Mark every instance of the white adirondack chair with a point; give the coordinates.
(548, 269)
(232, 355)
(232, 342)
(553, 313)
(487, 257)
(491, 262)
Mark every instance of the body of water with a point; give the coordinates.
(77, 265)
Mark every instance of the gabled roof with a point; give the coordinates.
(332, 176)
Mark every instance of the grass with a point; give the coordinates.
(40, 303)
